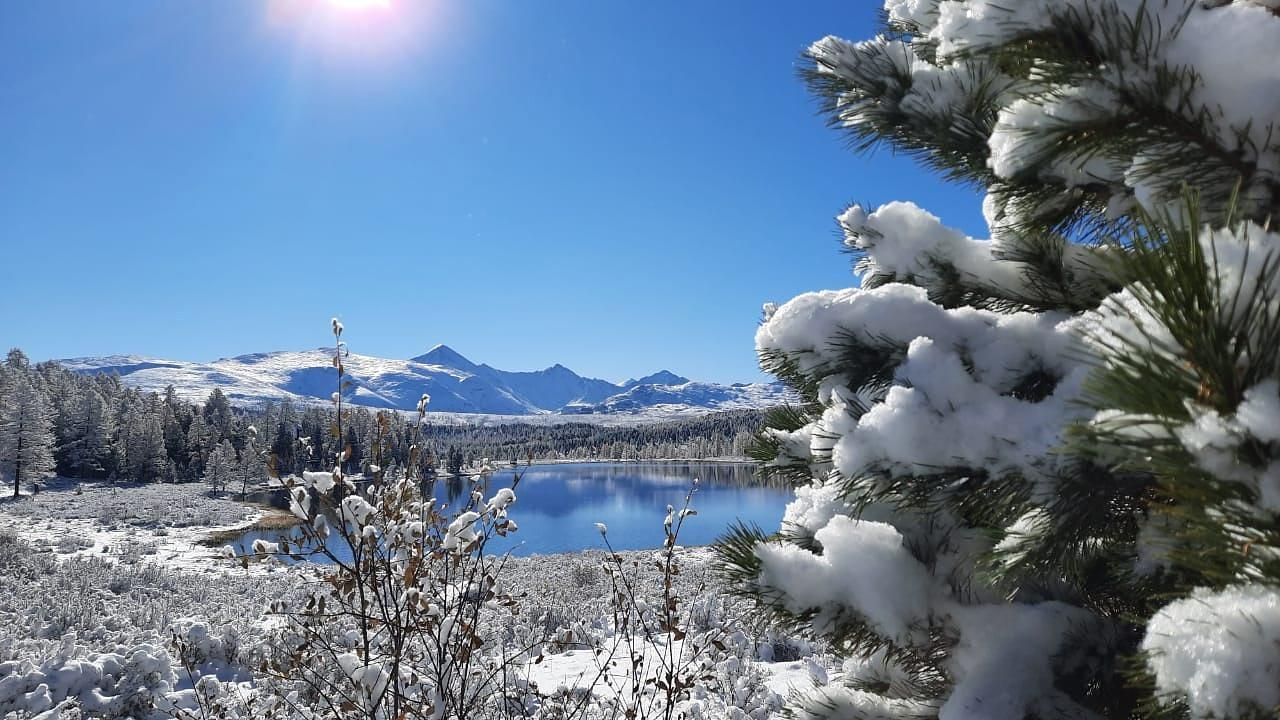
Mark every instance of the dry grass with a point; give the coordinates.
(276, 519)
(272, 519)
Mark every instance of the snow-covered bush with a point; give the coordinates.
(90, 635)
(20, 563)
(404, 617)
(402, 621)
(1013, 451)
(669, 652)
(102, 685)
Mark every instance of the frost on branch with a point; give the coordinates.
(1214, 343)
(1070, 111)
(938, 388)
(1010, 449)
(1220, 650)
(1192, 376)
(915, 409)
(900, 242)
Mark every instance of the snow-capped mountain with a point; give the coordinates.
(454, 383)
(662, 377)
(646, 396)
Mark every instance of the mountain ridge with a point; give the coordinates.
(454, 382)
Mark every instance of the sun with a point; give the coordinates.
(356, 32)
(360, 4)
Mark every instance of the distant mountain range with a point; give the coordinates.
(454, 383)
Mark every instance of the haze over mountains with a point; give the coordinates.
(455, 384)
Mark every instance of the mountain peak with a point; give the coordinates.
(662, 377)
(454, 383)
(444, 355)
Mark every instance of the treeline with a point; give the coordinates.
(716, 435)
(95, 427)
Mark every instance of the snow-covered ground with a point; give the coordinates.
(164, 523)
(95, 579)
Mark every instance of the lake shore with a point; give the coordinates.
(182, 525)
(91, 541)
(728, 459)
(558, 505)
(166, 523)
(539, 462)
(113, 520)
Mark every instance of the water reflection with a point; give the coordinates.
(558, 505)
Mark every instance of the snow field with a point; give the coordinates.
(111, 609)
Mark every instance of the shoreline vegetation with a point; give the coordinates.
(726, 460)
(256, 515)
(272, 518)
(275, 518)
(161, 508)
(72, 553)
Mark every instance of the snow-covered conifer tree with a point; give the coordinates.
(199, 441)
(217, 414)
(142, 436)
(26, 430)
(90, 429)
(221, 467)
(1010, 448)
(17, 360)
(251, 464)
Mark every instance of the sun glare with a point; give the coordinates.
(356, 30)
(360, 4)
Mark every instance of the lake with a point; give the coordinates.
(557, 506)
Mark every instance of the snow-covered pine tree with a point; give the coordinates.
(251, 464)
(174, 421)
(221, 467)
(63, 395)
(90, 428)
(199, 439)
(218, 415)
(1007, 462)
(16, 360)
(1189, 395)
(142, 438)
(26, 430)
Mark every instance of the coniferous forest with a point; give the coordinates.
(93, 427)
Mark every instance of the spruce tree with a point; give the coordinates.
(142, 438)
(200, 443)
(17, 360)
(217, 415)
(90, 429)
(283, 448)
(26, 430)
(221, 467)
(1038, 473)
(251, 463)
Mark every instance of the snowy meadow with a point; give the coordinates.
(115, 603)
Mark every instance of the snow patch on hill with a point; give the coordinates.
(455, 384)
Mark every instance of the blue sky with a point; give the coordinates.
(616, 186)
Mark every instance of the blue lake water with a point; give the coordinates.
(557, 506)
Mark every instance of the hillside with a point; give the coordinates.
(455, 384)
